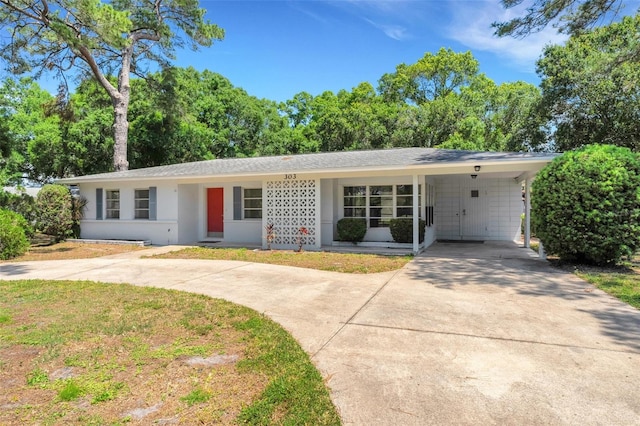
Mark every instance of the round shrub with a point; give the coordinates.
(13, 240)
(402, 230)
(55, 211)
(586, 205)
(352, 229)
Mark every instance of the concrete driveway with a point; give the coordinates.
(465, 334)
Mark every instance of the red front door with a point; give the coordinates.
(215, 210)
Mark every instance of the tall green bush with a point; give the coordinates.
(586, 205)
(352, 229)
(13, 240)
(402, 230)
(54, 206)
(21, 203)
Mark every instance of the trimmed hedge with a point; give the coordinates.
(402, 230)
(586, 205)
(352, 229)
(13, 239)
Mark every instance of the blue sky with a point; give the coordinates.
(277, 48)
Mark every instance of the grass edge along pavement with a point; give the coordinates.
(78, 351)
(353, 263)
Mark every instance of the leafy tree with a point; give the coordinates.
(446, 102)
(590, 95)
(586, 204)
(431, 77)
(21, 108)
(101, 38)
(570, 16)
(55, 211)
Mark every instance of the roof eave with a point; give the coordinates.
(351, 170)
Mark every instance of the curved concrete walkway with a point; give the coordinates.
(464, 334)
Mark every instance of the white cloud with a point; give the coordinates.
(471, 26)
(395, 32)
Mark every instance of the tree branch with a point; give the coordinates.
(88, 58)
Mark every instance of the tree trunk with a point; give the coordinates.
(121, 110)
(120, 132)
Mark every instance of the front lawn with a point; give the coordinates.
(325, 261)
(623, 283)
(91, 353)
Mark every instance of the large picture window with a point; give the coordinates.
(113, 204)
(252, 203)
(379, 203)
(141, 204)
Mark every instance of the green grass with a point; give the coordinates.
(121, 344)
(70, 391)
(297, 383)
(352, 263)
(196, 396)
(623, 285)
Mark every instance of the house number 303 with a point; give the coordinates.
(288, 177)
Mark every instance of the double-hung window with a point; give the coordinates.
(252, 203)
(141, 204)
(113, 204)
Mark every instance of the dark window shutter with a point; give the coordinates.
(153, 203)
(99, 204)
(237, 203)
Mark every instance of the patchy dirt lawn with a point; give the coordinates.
(89, 353)
(73, 250)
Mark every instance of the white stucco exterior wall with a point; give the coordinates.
(162, 231)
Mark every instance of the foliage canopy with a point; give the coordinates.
(590, 91)
(570, 16)
(101, 39)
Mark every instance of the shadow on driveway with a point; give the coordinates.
(14, 270)
(496, 267)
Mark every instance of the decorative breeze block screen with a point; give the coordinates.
(290, 205)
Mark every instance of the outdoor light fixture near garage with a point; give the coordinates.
(477, 169)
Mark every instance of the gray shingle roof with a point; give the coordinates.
(326, 161)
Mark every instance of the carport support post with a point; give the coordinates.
(416, 221)
(527, 212)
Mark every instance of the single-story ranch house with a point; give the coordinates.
(461, 195)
